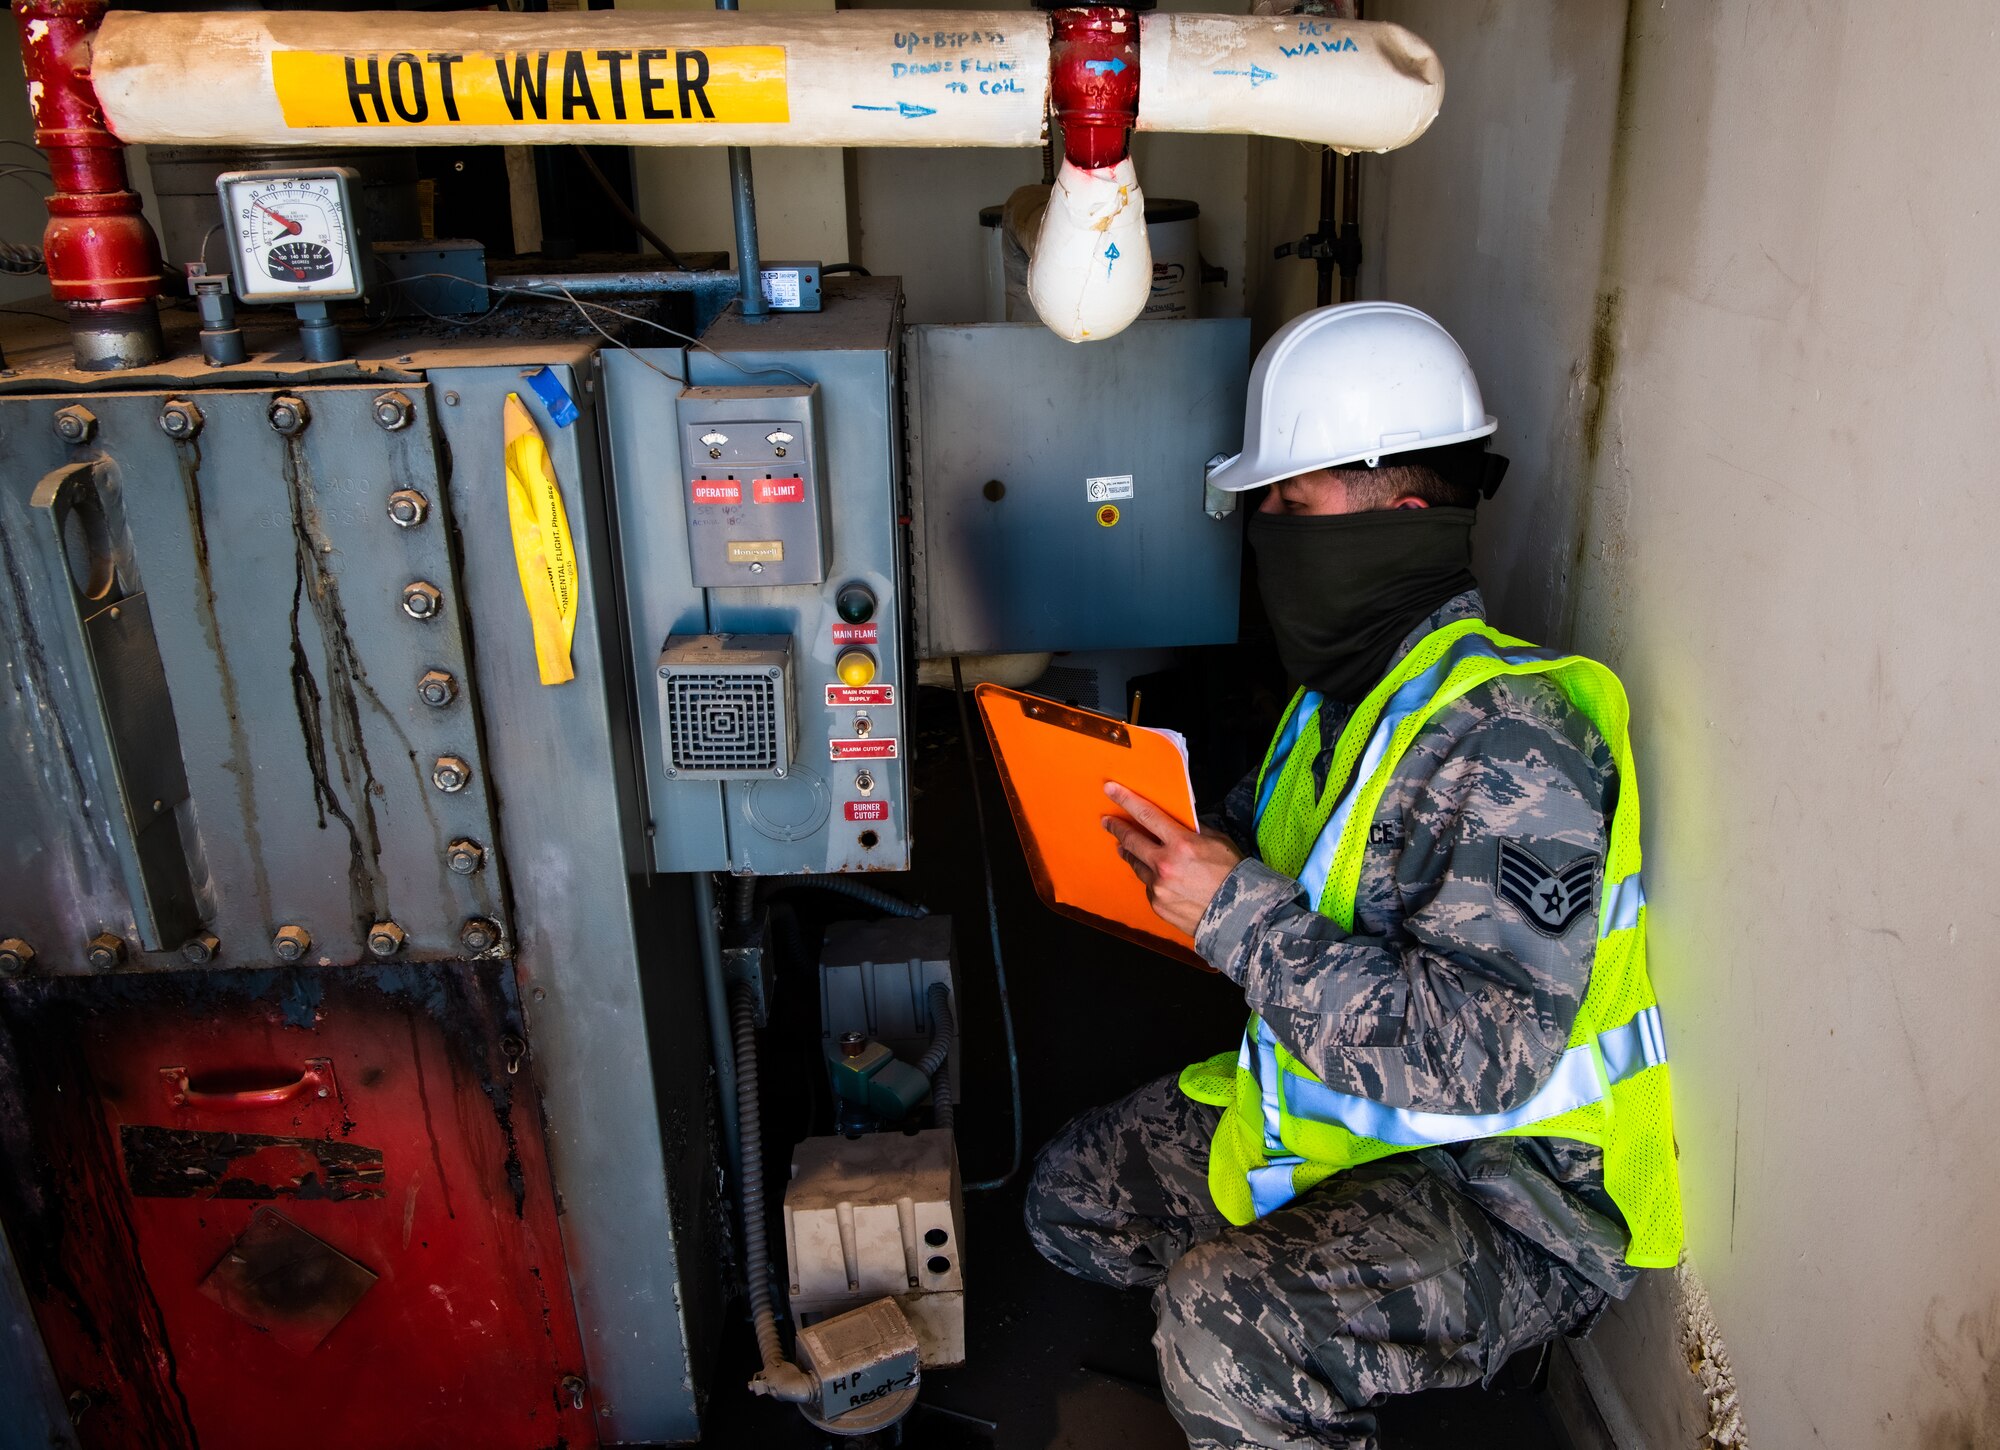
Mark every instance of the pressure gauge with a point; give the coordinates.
(294, 234)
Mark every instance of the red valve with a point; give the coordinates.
(1094, 80)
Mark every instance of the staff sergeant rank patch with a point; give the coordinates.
(1550, 898)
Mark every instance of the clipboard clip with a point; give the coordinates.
(1083, 722)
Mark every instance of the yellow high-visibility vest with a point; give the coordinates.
(1283, 1130)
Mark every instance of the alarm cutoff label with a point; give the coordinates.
(728, 84)
(1110, 486)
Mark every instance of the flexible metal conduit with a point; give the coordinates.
(943, 1048)
(780, 1379)
(873, 896)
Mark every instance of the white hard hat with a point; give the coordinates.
(1352, 383)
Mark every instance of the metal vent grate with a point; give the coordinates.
(723, 721)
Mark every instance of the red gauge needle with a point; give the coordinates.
(291, 227)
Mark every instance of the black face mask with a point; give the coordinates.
(1343, 590)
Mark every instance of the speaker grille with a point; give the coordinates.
(723, 721)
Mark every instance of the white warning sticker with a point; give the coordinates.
(1101, 490)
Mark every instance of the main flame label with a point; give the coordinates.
(734, 84)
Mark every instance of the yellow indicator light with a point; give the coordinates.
(856, 667)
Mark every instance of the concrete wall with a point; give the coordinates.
(1727, 271)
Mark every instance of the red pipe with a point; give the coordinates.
(1094, 81)
(102, 257)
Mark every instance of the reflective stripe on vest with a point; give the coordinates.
(1575, 1083)
(1413, 695)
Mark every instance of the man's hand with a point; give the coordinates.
(1181, 870)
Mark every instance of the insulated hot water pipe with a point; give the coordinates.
(841, 78)
(102, 258)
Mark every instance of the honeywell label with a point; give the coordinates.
(868, 810)
(755, 551)
(882, 748)
(1108, 487)
(712, 490)
(837, 695)
(856, 634)
(780, 490)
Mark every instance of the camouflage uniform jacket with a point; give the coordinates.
(1446, 997)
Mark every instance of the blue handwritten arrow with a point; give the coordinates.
(908, 111)
(1101, 67)
(1258, 75)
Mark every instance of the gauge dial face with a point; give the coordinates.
(294, 234)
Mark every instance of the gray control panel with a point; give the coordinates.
(756, 498)
(746, 771)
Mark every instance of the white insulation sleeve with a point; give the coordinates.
(1093, 268)
(708, 78)
(1351, 84)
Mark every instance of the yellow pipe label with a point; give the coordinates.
(731, 84)
(542, 550)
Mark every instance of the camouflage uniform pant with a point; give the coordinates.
(1381, 1281)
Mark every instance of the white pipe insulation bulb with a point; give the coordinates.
(1092, 269)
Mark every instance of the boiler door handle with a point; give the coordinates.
(315, 1081)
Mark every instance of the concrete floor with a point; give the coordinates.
(1053, 1363)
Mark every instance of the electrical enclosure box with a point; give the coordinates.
(756, 499)
(726, 703)
(880, 1216)
(1057, 491)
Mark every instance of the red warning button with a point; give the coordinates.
(868, 810)
(717, 490)
(780, 490)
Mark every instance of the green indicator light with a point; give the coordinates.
(855, 603)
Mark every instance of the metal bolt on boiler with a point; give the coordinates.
(75, 424)
(450, 774)
(288, 415)
(385, 939)
(200, 949)
(180, 420)
(291, 943)
(408, 508)
(464, 857)
(422, 599)
(479, 934)
(437, 688)
(16, 956)
(393, 411)
(105, 951)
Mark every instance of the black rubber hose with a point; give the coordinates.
(781, 1379)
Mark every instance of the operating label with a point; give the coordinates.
(856, 634)
(717, 490)
(881, 748)
(728, 84)
(780, 490)
(839, 695)
(1102, 490)
(868, 810)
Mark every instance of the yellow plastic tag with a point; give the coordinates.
(727, 84)
(542, 551)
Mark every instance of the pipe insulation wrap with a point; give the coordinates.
(1354, 85)
(1092, 269)
(847, 78)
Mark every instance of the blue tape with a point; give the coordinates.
(555, 397)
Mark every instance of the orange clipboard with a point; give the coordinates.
(1054, 763)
